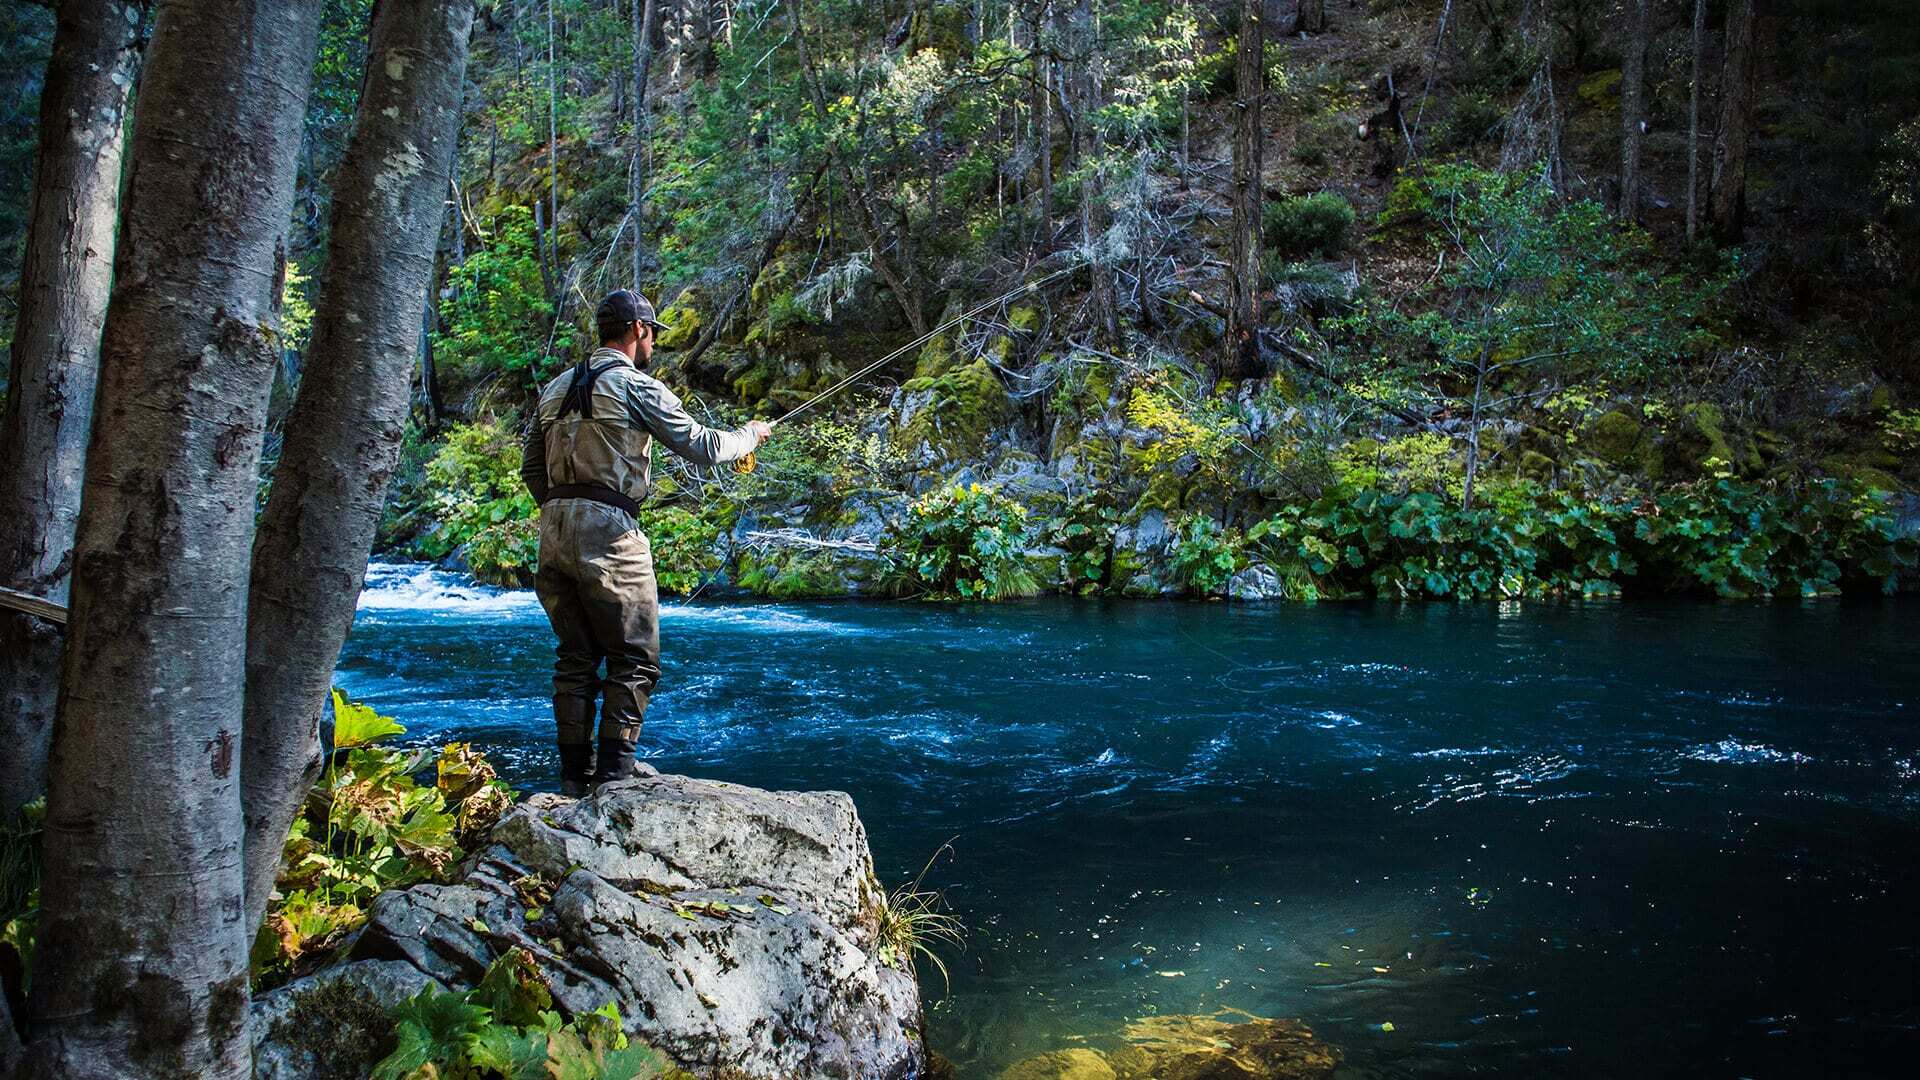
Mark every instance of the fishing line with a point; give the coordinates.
(747, 463)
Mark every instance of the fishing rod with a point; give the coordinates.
(747, 464)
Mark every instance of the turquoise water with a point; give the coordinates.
(1584, 840)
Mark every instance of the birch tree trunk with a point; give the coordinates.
(1633, 108)
(343, 436)
(141, 966)
(64, 281)
(1728, 205)
(1242, 359)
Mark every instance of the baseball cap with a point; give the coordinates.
(623, 306)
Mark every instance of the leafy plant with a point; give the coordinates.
(474, 484)
(1085, 531)
(368, 826)
(1204, 555)
(499, 318)
(506, 1027)
(967, 542)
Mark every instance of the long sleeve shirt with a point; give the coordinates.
(609, 443)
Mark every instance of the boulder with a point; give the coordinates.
(1216, 1048)
(332, 1024)
(737, 930)
(1256, 583)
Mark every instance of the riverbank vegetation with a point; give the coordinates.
(1462, 322)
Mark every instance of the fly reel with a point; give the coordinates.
(745, 465)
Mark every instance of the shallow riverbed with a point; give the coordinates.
(1599, 839)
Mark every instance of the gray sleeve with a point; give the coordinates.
(533, 458)
(657, 409)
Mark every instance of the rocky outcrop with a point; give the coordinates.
(737, 930)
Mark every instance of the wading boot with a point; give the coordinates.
(573, 718)
(616, 762)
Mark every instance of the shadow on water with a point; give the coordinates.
(1563, 839)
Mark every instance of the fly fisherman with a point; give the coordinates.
(587, 462)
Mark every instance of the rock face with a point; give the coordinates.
(737, 930)
(329, 1025)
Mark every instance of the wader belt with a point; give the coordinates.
(594, 492)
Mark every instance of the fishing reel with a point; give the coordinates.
(745, 465)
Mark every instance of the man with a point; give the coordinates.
(588, 459)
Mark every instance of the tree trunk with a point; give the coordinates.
(1242, 359)
(1633, 108)
(1728, 206)
(901, 282)
(343, 437)
(141, 966)
(1043, 118)
(1693, 122)
(1086, 93)
(1473, 428)
(64, 281)
(645, 14)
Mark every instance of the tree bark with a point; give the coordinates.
(64, 281)
(1728, 205)
(1633, 108)
(645, 14)
(141, 966)
(343, 436)
(1693, 121)
(1242, 359)
(1043, 119)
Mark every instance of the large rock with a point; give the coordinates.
(1256, 583)
(737, 930)
(331, 1024)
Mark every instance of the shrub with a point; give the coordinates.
(968, 542)
(369, 826)
(507, 1026)
(1204, 555)
(1305, 225)
(475, 483)
(683, 551)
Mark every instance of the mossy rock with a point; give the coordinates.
(1615, 437)
(961, 409)
(684, 319)
(941, 352)
(1872, 477)
(1023, 317)
(1600, 91)
(1701, 434)
(790, 575)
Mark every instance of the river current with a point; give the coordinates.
(1612, 839)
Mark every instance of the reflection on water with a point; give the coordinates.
(1577, 840)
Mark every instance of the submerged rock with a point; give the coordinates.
(735, 929)
(1074, 1064)
(1227, 1046)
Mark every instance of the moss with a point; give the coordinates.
(1023, 317)
(1076, 1064)
(941, 352)
(341, 1026)
(1600, 91)
(1872, 477)
(1615, 437)
(965, 406)
(1165, 492)
(1535, 465)
(683, 320)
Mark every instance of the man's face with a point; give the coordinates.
(644, 350)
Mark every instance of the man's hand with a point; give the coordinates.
(760, 430)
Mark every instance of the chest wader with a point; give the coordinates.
(595, 579)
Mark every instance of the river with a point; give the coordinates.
(1578, 840)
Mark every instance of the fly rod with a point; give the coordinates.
(746, 464)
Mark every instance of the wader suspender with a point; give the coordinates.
(580, 399)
